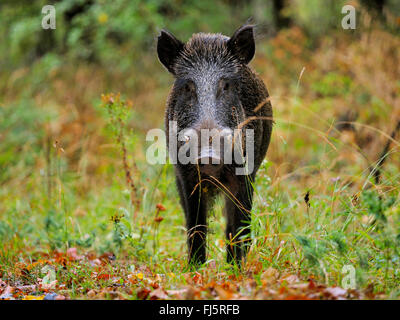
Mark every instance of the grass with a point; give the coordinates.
(79, 204)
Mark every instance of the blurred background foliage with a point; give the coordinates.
(335, 95)
(98, 31)
(101, 46)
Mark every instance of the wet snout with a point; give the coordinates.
(211, 153)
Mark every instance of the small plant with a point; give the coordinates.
(156, 224)
(118, 111)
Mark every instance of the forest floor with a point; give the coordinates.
(322, 226)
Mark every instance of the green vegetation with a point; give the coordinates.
(79, 204)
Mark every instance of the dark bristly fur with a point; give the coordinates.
(215, 89)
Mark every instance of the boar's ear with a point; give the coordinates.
(168, 49)
(242, 45)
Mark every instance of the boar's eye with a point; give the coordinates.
(223, 87)
(189, 87)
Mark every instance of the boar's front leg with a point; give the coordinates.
(238, 214)
(195, 207)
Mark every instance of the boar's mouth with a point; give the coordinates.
(209, 161)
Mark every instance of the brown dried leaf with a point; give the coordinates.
(270, 274)
(143, 293)
(158, 294)
(335, 293)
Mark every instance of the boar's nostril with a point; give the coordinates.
(205, 161)
(208, 156)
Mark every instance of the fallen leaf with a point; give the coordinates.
(336, 292)
(107, 258)
(91, 294)
(3, 285)
(179, 294)
(49, 286)
(270, 275)
(26, 288)
(143, 293)
(223, 293)
(290, 279)
(7, 293)
(28, 297)
(158, 294)
(191, 293)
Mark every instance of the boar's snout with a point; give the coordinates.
(211, 152)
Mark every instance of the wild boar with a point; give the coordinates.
(216, 90)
